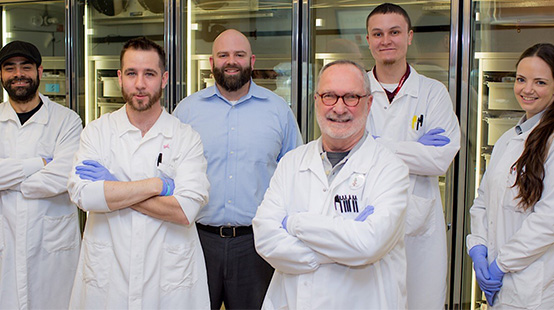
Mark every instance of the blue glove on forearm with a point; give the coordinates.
(481, 266)
(284, 223)
(92, 170)
(433, 138)
(364, 214)
(47, 160)
(168, 187)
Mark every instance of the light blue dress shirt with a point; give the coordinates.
(242, 143)
(525, 124)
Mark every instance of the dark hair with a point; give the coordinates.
(530, 165)
(389, 8)
(143, 44)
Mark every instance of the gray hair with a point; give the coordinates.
(367, 87)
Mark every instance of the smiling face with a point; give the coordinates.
(388, 38)
(534, 86)
(20, 79)
(142, 79)
(232, 61)
(342, 126)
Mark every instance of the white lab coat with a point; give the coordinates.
(328, 260)
(130, 260)
(397, 127)
(521, 241)
(39, 229)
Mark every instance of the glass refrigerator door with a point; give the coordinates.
(338, 31)
(42, 24)
(266, 24)
(502, 30)
(108, 25)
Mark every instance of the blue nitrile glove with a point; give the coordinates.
(364, 214)
(168, 187)
(496, 273)
(433, 138)
(47, 160)
(490, 297)
(478, 254)
(92, 170)
(284, 223)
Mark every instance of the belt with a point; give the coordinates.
(226, 231)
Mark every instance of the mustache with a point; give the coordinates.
(232, 67)
(20, 79)
(332, 116)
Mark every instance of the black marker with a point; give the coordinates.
(159, 159)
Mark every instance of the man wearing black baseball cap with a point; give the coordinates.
(39, 231)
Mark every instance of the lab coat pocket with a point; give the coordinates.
(523, 289)
(96, 263)
(178, 267)
(420, 216)
(60, 233)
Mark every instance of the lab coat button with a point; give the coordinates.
(324, 190)
(230, 177)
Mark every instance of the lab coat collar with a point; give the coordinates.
(253, 91)
(40, 117)
(410, 87)
(123, 124)
(359, 161)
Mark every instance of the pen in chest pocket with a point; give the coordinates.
(159, 161)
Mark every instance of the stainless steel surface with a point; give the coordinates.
(172, 31)
(457, 297)
(453, 173)
(304, 77)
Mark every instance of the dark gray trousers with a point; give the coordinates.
(237, 276)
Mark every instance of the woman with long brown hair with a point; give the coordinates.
(512, 219)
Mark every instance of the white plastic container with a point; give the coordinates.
(501, 96)
(498, 126)
(111, 87)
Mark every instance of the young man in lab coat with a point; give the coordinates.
(141, 175)
(39, 229)
(246, 129)
(332, 221)
(412, 115)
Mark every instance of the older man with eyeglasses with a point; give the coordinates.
(332, 221)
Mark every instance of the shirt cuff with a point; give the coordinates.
(190, 207)
(93, 198)
(32, 165)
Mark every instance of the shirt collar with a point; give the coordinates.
(524, 124)
(123, 125)
(352, 151)
(253, 91)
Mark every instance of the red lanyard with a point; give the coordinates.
(391, 95)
